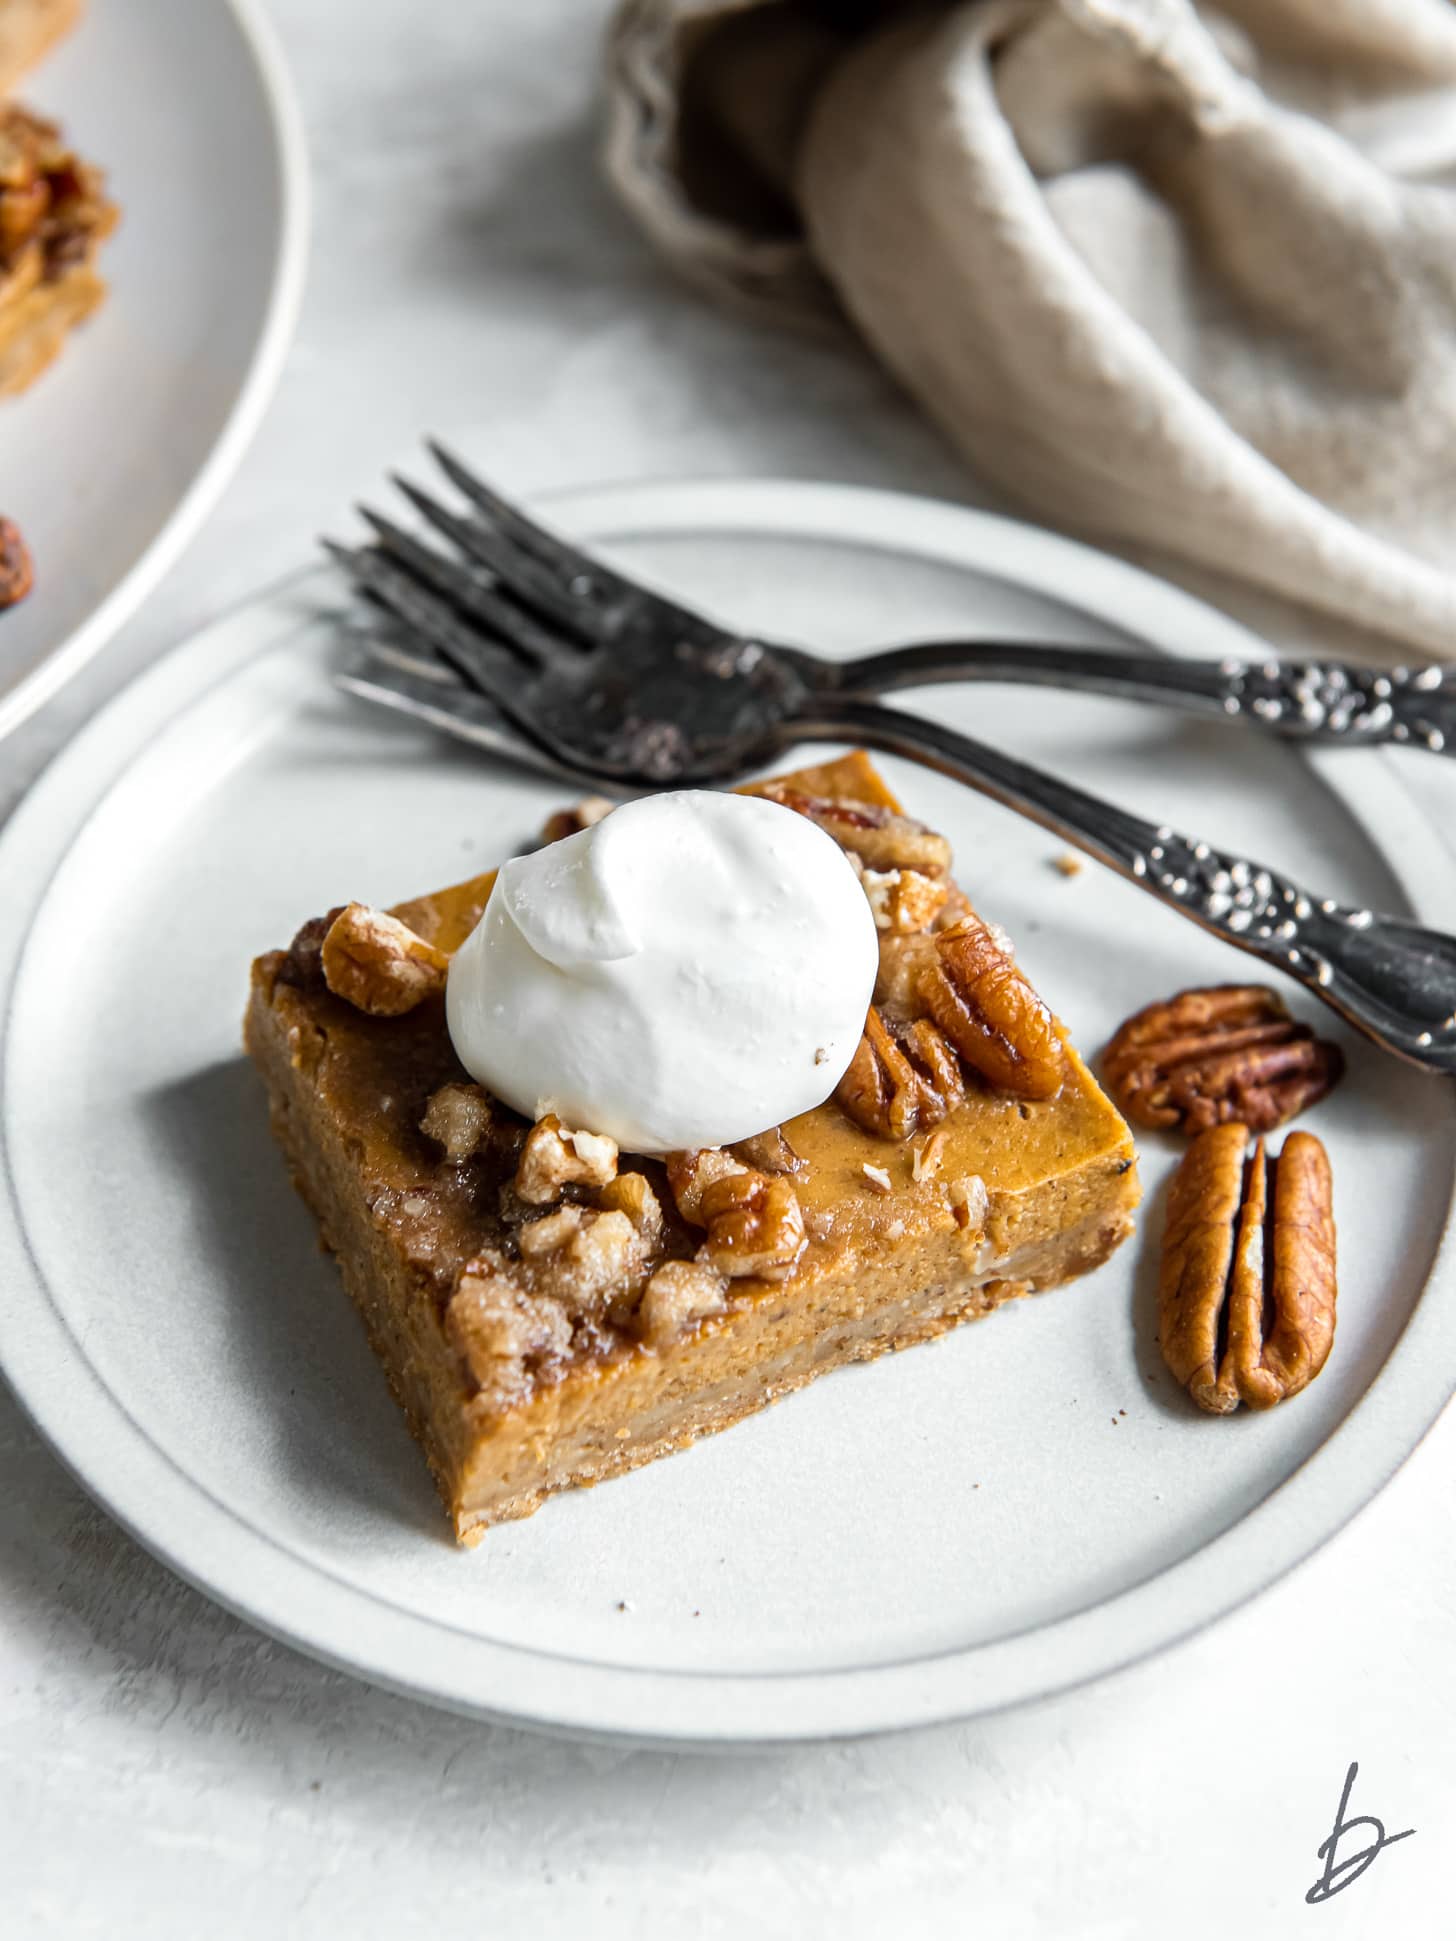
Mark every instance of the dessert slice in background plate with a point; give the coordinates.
(551, 1312)
(54, 216)
(28, 30)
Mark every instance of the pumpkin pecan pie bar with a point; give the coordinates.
(551, 1311)
(54, 215)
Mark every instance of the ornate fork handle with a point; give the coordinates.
(1323, 701)
(1392, 980)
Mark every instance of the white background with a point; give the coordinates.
(167, 1771)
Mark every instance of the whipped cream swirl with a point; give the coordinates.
(694, 969)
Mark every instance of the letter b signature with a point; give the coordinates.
(1340, 1874)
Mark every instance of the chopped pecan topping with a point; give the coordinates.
(989, 1012)
(899, 1082)
(970, 1203)
(632, 1194)
(17, 575)
(550, 1232)
(690, 1174)
(880, 838)
(605, 1251)
(926, 1157)
(754, 1226)
(877, 1177)
(769, 1152)
(570, 822)
(1230, 1053)
(458, 1118)
(680, 1294)
(553, 1157)
(378, 964)
(904, 900)
(499, 1330)
(1246, 1294)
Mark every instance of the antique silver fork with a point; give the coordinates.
(523, 644)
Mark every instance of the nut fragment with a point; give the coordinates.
(303, 961)
(882, 839)
(904, 900)
(690, 1174)
(1230, 1053)
(970, 1203)
(17, 575)
(877, 1177)
(769, 1152)
(899, 1082)
(458, 1118)
(378, 964)
(925, 1159)
(550, 1232)
(679, 1294)
(1246, 1294)
(632, 1194)
(553, 1157)
(989, 1012)
(570, 822)
(755, 1226)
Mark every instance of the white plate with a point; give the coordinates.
(111, 461)
(1024, 1505)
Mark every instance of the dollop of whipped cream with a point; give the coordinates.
(692, 970)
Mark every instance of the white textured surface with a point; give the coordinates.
(165, 1771)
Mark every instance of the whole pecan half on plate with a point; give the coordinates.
(1209, 1057)
(1246, 1293)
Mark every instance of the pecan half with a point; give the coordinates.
(17, 575)
(755, 1226)
(1246, 1294)
(882, 839)
(900, 1082)
(679, 1295)
(1227, 1053)
(378, 964)
(989, 1012)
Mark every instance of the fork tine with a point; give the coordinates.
(518, 571)
(585, 576)
(466, 589)
(492, 669)
(447, 706)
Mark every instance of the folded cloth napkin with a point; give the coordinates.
(1179, 279)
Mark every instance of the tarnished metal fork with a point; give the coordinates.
(510, 631)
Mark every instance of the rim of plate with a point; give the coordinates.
(265, 366)
(297, 1600)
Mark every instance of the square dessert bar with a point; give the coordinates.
(550, 1313)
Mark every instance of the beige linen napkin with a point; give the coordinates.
(1173, 278)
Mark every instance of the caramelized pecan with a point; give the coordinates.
(458, 1119)
(1246, 1295)
(680, 1294)
(900, 1081)
(554, 1157)
(769, 1152)
(904, 900)
(17, 575)
(989, 1012)
(754, 1226)
(378, 964)
(1207, 1057)
(690, 1174)
(882, 839)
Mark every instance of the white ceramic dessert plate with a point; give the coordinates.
(113, 458)
(1023, 1505)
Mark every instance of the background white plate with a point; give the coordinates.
(110, 462)
(1021, 1506)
